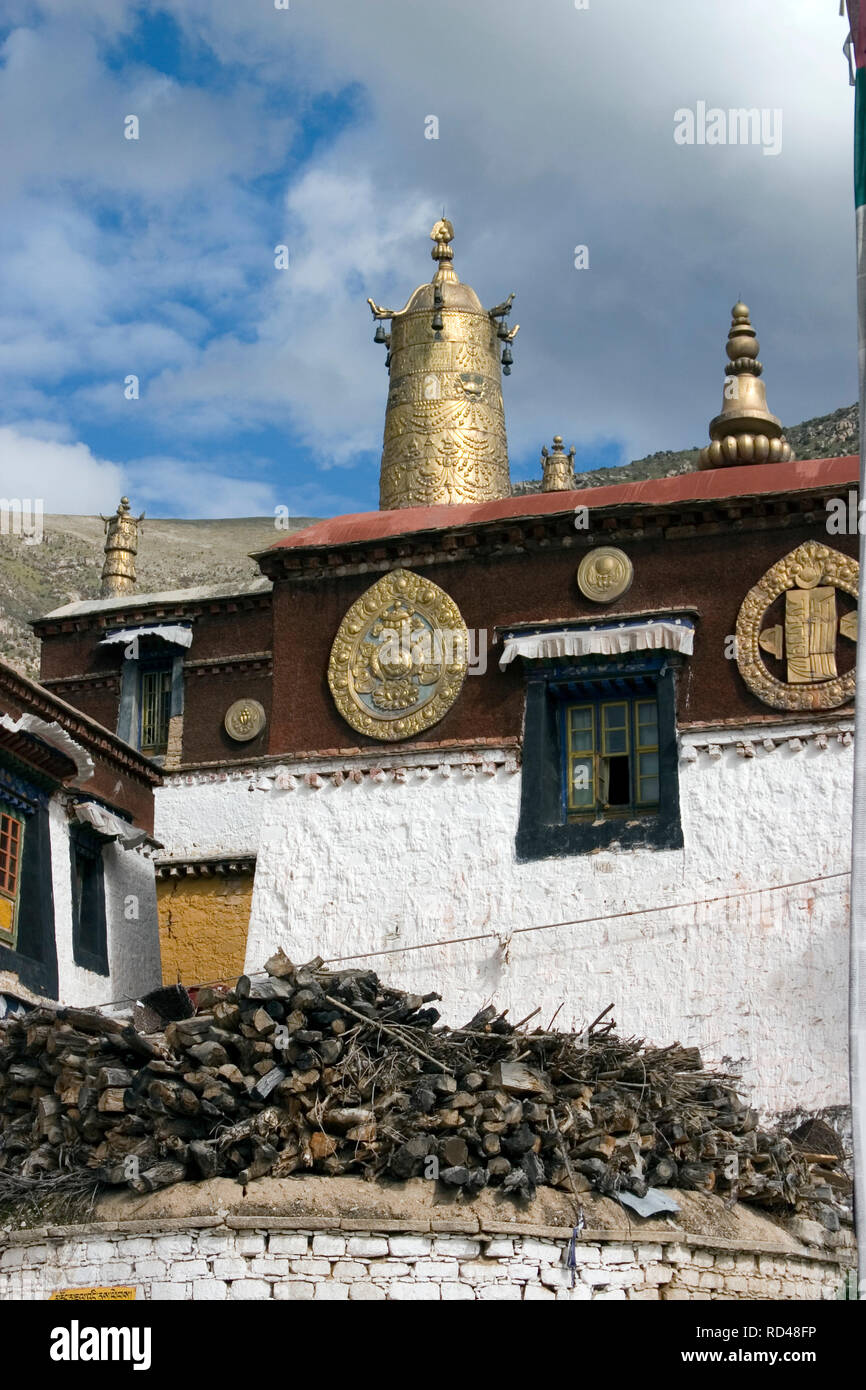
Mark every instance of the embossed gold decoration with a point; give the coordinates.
(604, 574)
(557, 468)
(807, 639)
(244, 720)
(399, 657)
(745, 431)
(444, 423)
(121, 548)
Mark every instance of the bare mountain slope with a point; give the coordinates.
(68, 563)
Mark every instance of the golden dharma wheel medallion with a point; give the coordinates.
(605, 574)
(399, 657)
(244, 719)
(805, 645)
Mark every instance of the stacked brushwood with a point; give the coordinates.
(301, 1069)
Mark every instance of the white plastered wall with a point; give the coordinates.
(215, 814)
(133, 943)
(400, 854)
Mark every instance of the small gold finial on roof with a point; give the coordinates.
(442, 235)
(557, 468)
(121, 548)
(745, 431)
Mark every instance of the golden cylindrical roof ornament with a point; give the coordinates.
(121, 548)
(444, 422)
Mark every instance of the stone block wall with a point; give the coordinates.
(307, 1259)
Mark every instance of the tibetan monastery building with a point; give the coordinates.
(560, 749)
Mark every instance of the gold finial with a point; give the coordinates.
(121, 548)
(557, 468)
(442, 235)
(745, 431)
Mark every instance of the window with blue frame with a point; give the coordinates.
(600, 762)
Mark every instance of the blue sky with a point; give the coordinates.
(305, 126)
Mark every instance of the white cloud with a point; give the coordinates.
(556, 128)
(65, 476)
(196, 491)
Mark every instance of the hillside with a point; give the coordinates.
(178, 554)
(825, 437)
(68, 563)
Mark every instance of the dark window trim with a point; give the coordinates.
(91, 954)
(542, 833)
(155, 665)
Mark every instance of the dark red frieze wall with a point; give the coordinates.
(709, 573)
(239, 628)
(206, 699)
(97, 701)
(245, 627)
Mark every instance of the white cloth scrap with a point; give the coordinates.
(111, 826)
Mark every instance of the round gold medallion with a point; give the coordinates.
(244, 720)
(605, 574)
(399, 657)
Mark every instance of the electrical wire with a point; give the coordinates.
(545, 926)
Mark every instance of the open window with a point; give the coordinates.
(600, 762)
(611, 756)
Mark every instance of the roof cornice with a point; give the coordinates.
(763, 497)
(35, 699)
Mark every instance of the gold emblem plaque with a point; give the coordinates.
(244, 719)
(604, 574)
(807, 637)
(399, 657)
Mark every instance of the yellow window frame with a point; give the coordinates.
(581, 755)
(640, 749)
(11, 848)
(601, 730)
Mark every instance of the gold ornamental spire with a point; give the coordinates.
(557, 468)
(444, 421)
(745, 431)
(121, 548)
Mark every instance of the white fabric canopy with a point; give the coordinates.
(608, 640)
(180, 636)
(111, 826)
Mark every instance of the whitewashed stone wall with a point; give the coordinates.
(211, 814)
(379, 859)
(219, 1262)
(133, 942)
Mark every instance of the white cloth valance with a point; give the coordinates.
(180, 636)
(602, 641)
(109, 825)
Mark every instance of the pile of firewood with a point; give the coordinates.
(303, 1070)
